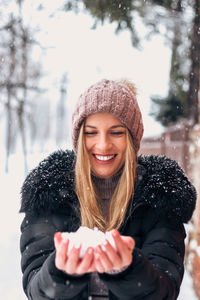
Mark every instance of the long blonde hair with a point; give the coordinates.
(121, 200)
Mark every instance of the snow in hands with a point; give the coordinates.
(86, 237)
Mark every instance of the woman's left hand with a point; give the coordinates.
(107, 258)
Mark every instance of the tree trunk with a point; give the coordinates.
(20, 114)
(175, 57)
(61, 113)
(8, 105)
(192, 101)
(8, 130)
(22, 103)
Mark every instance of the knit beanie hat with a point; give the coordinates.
(110, 97)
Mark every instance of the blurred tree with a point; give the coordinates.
(120, 11)
(174, 16)
(194, 76)
(6, 85)
(182, 99)
(170, 109)
(19, 76)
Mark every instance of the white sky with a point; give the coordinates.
(89, 55)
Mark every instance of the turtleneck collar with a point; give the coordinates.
(105, 186)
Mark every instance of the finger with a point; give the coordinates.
(61, 255)
(86, 263)
(111, 253)
(123, 250)
(98, 264)
(120, 244)
(129, 242)
(104, 259)
(57, 239)
(73, 260)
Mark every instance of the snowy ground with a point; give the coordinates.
(10, 273)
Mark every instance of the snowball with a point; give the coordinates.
(87, 237)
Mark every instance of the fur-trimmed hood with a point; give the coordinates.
(160, 183)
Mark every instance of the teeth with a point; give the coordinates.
(104, 158)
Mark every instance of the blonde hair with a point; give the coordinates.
(121, 200)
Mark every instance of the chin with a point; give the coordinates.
(104, 175)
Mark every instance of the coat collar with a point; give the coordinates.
(164, 186)
(160, 183)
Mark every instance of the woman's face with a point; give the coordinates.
(105, 140)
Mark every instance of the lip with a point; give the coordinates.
(104, 162)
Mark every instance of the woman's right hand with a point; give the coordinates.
(72, 264)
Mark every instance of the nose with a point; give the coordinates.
(103, 143)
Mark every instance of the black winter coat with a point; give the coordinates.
(164, 199)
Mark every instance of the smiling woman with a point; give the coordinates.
(103, 183)
(105, 141)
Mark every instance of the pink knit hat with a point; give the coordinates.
(111, 97)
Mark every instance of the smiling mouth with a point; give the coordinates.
(104, 157)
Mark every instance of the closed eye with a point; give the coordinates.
(90, 132)
(115, 133)
(118, 132)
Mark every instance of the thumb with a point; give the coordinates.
(57, 239)
(130, 242)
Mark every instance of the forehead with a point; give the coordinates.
(102, 118)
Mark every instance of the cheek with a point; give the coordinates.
(122, 146)
(88, 144)
(123, 154)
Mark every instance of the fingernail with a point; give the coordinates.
(90, 250)
(97, 255)
(98, 249)
(103, 248)
(65, 241)
(105, 243)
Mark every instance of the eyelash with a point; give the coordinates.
(117, 132)
(89, 133)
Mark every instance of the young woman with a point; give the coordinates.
(103, 183)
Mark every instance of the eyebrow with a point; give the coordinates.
(112, 127)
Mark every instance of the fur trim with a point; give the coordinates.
(162, 185)
(50, 186)
(166, 187)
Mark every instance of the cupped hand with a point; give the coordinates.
(71, 263)
(107, 258)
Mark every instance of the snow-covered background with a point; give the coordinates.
(10, 220)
